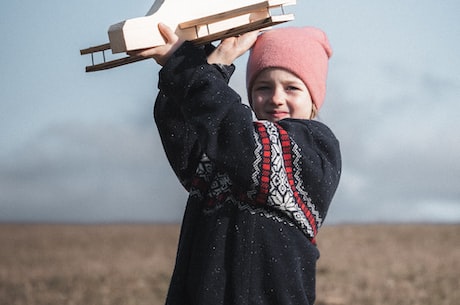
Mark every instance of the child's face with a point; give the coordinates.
(279, 94)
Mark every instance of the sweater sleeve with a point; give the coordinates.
(179, 139)
(198, 113)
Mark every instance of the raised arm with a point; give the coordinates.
(196, 111)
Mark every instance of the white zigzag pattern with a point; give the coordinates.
(296, 162)
(256, 165)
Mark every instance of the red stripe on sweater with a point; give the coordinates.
(266, 166)
(287, 156)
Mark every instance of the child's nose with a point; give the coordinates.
(278, 97)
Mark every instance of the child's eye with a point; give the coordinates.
(292, 88)
(262, 88)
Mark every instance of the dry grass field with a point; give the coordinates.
(131, 264)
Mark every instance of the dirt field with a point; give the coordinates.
(131, 264)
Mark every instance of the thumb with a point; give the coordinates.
(167, 33)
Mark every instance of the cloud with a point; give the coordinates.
(90, 172)
(399, 142)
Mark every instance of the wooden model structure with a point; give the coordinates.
(201, 21)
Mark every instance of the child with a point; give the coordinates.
(258, 191)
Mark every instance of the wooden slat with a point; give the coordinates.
(99, 48)
(114, 63)
(255, 25)
(226, 15)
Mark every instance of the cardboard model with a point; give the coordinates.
(199, 21)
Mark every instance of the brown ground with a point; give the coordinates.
(131, 264)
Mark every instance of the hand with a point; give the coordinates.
(162, 53)
(233, 47)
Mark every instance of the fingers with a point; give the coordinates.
(250, 37)
(167, 33)
(148, 53)
(233, 47)
(246, 41)
(161, 53)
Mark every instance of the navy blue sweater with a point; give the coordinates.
(258, 191)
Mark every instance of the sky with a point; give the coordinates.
(83, 147)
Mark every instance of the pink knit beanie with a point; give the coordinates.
(303, 51)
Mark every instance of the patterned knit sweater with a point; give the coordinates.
(258, 191)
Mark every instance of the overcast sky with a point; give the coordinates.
(82, 147)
